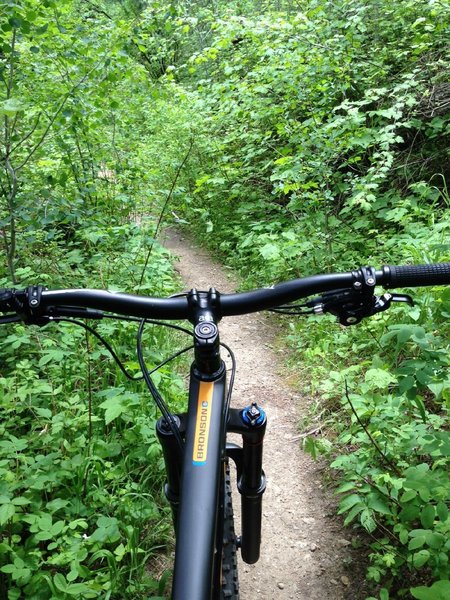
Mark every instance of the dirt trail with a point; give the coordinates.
(305, 555)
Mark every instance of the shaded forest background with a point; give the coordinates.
(290, 137)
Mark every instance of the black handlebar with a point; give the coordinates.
(35, 301)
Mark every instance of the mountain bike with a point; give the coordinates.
(194, 444)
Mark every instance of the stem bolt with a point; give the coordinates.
(206, 330)
(351, 320)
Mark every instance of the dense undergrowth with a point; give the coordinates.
(81, 502)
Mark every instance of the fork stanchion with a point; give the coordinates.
(172, 461)
(252, 481)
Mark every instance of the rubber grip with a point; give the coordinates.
(418, 275)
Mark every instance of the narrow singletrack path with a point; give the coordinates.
(305, 553)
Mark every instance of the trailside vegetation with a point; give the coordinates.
(81, 474)
(323, 145)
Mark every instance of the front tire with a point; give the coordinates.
(230, 585)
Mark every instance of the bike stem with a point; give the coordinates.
(204, 315)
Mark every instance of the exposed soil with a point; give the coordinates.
(305, 553)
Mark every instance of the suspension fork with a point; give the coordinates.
(172, 455)
(250, 423)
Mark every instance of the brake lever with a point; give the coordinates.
(27, 304)
(55, 312)
(351, 307)
(402, 298)
(383, 302)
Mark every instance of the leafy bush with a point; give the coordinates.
(325, 147)
(80, 501)
(393, 452)
(323, 138)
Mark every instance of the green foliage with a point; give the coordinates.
(81, 509)
(68, 120)
(310, 120)
(323, 144)
(438, 591)
(80, 465)
(311, 139)
(393, 445)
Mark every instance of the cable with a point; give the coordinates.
(286, 311)
(176, 355)
(153, 390)
(113, 353)
(232, 376)
(293, 309)
(103, 341)
(146, 374)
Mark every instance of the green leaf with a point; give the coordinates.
(346, 487)
(15, 22)
(7, 511)
(440, 590)
(417, 542)
(378, 504)
(367, 520)
(120, 552)
(76, 589)
(348, 502)
(435, 539)
(11, 106)
(60, 582)
(384, 594)
(10, 568)
(113, 412)
(442, 511)
(41, 30)
(113, 408)
(403, 536)
(427, 516)
(270, 251)
(353, 512)
(379, 378)
(424, 493)
(43, 536)
(420, 558)
(408, 495)
(20, 501)
(107, 530)
(57, 527)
